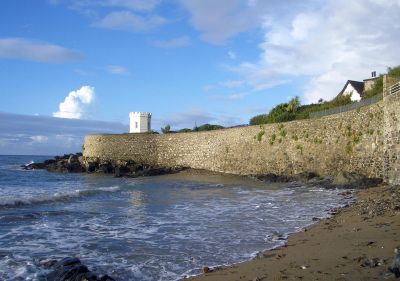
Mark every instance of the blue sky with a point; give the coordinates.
(186, 61)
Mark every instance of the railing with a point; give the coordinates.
(394, 88)
(346, 107)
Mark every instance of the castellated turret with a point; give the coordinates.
(140, 122)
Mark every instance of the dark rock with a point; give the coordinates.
(274, 178)
(374, 262)
(76, 163)
(50, 161)
(48, 263)
(354, 181)
(106, 278)
(306, 176)
(33, 166)
(71, 269)
(395, 266)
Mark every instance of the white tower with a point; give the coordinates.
(140, 122)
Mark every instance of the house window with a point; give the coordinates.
(136, 125)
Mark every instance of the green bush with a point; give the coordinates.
(166, 129)
(285, 112)
(259, 135)
(209, 127)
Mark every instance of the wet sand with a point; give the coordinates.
(355, 244)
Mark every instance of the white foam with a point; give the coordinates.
(9, 202)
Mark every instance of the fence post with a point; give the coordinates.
(385, 86)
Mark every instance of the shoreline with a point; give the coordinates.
(356, 243)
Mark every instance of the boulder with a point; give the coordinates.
(354, 181)
(71, 269)
(395, 266)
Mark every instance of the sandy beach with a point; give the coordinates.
(357, 243)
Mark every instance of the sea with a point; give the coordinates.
(148, 228)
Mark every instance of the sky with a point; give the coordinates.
(186, 61)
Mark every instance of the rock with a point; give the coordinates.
(354, 181)
(71, 269)
(374, 262)
(33, 166)
(274, 178)
(48, 263)
(395, 266)
(206, 269)
(76, 163)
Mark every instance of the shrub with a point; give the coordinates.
(209, 127)
(349, 148)
(260, 135)
(272, 139)
(166, 129)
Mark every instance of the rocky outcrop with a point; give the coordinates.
(76, 163)
(67, 163)
(343, 180)
(71, 269)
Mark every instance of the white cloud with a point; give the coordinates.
(223, 19)
(39, 139)
(220, 20)
(19, 48)
(232, 55)
(117, 70)
(75, 104)
(129, 21)
(172, 43)
(341, 40)
(230, 97)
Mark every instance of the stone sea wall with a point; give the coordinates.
(363, 141)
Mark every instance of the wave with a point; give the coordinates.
(56, 197)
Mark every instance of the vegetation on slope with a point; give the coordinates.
(204, 127)
(293, 110)
(285, 112)
(377, 89)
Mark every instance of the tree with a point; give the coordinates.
(166, 129)
(293, 105)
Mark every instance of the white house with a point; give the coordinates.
(140, 122)
(353, 88)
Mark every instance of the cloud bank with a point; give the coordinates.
(76, 103)
(39, 135)
(337, 41)
(24, 49)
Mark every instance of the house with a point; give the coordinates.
(353, 88)
(356, 89)
(140, 122)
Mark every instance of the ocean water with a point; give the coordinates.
(154, 228)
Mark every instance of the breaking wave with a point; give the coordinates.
(54, 198)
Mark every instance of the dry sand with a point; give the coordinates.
(356, 244)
